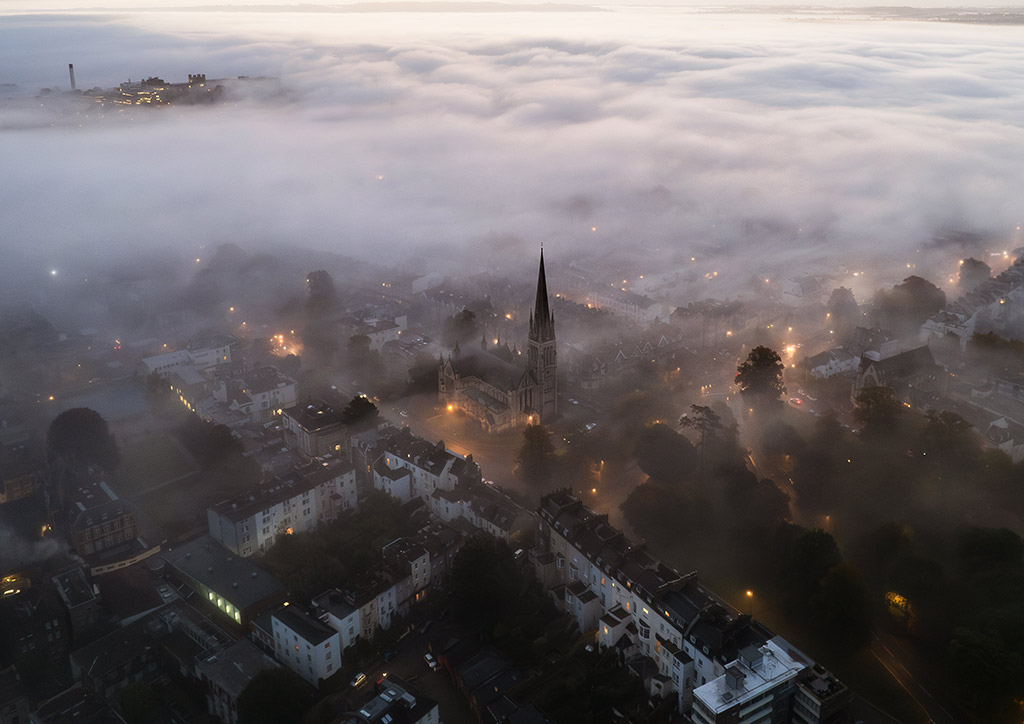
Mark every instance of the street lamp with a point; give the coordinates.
(750, 602)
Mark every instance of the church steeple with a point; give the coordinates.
(542, 322)
(541, 352)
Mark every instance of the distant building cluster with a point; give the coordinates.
(155, 91)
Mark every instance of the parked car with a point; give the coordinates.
(359, 680)
(431, 661)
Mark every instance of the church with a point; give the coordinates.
(494, 388)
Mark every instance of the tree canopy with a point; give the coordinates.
(536, 456)
(906, 306)
(760, 375)
(972, 273)
(274, 696)
(843, 312)
(360, 412)
(461, 327)
(664, 454)
(81, 435)
(877, 410)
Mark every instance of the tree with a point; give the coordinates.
(209, 442)
(760, 375)
(810, 556)
(536, 455)
(718, 450)
(274, 696)
(949, 439)
(708, 423)
(485, 581)
(843, 607)
(81, 435)
(906, 306)
(320, 285)
(360, 413)
(843, 312)
(460, 328)
(664, 454)
(877, 410)
(972, 273)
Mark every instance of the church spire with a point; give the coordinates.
(542, 324)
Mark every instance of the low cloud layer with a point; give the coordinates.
(798, 142)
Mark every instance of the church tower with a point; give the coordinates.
(541, 354)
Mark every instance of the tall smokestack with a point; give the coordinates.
(71, 70)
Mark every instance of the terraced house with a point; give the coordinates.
(680, 638)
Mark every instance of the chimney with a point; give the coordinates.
(71, 71)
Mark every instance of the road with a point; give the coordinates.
(908, 668)
(409, 667)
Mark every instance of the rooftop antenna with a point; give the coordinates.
(71, 71)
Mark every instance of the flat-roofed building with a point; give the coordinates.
(305, 645)
(757, 687)
(317, 427)
(235, 586)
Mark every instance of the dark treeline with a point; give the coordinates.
(903, 530)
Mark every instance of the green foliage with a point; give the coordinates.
(275, 696)
(842, 607)
(994, 356)
(843, 312)
(461, 328)
(360, 413)
(811, 554)
(989, 672)
(717, 449)
(342, 551)
(671, 515)
(322, 293)
(81, 436)
(972, 273)
(905, 307)
(760, 375)
(877, 411)
(535, 459)
(664, 454)
(485, 581)
(209, 443)
(949, 439)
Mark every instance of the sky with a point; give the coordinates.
(780, 141)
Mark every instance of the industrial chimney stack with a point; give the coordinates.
(71, 70)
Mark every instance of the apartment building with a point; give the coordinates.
(310, 495)
(680, 637)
